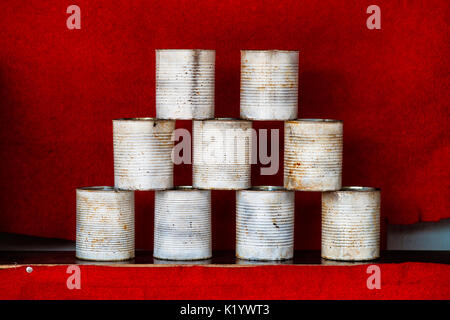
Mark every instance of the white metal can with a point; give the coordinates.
(222, 154)
(143, 153)
(185, 84)
(105, 224)
(269, 84)
(182, 224)
(265, 223)
(263, 262)
(182, 262)
(351, 224)
(313, 154)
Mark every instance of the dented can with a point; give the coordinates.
(269, 84)
(265, 223)
(105, 224)
(143, 153)
(222, 154)
(351, 224)
(313, 154)
(185, 84)
(182, 224)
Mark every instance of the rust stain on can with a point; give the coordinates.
(269, 84)
(182, 224)
(313, 154)
(142, 153)
(351, 224)
(185, 84)
(105, 224)
(265, 223)
(222, 154)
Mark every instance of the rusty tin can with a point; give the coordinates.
(269, 84)
(105, 224)
(185, 84)
(265, 223)
(182, 224)
(313, 154)
(351, 224)
(142, 153)
(222, 154)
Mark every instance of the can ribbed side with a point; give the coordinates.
(351, 225)
(185, 84)
(269, 84)
(105, 224)
(182, 224)
(142, 154)
(264, 225)
(313, 155)
(222, 154)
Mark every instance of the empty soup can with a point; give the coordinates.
(313, 154)
(269, 84)
(105, 224)
(142, 153)
(351, 224)
(265, 223)
(222, 154)
(182, 224)
(185, 84)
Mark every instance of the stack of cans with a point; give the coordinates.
(223, 150)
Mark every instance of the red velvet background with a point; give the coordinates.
(60, 89)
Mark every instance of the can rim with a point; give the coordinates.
(183, 188)
(316, 120)
(222, 119)
(184, 50)
(359, 189)
(270, 50)
(267, 188)
(141, 119)
(102, 189)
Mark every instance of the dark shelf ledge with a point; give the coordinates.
(219, 258)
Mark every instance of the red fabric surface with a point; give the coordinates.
(398, 281)
(61, 88)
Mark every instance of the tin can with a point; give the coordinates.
(142, 153)
(313, 154)
(265, 223)
(263, 263)
(351, 224)
(182, 224)
(185, 84)
(106, 262)
(222, 154)
(105, 224)
(326, 262)
(182, 262)
(269, 84)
